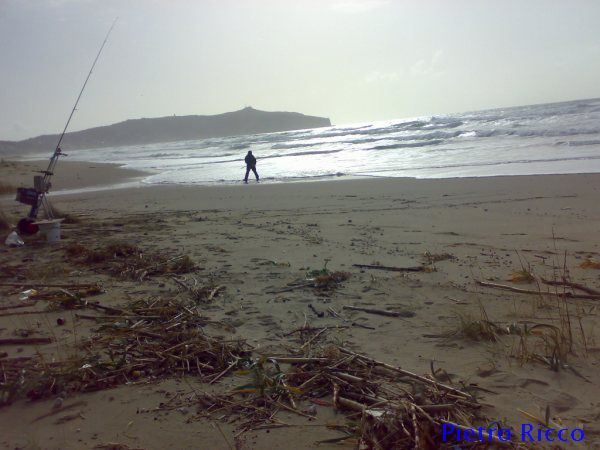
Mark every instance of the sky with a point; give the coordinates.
(350, 60)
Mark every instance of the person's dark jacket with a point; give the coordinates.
(250, 160)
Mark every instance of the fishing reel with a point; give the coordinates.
(36, 198)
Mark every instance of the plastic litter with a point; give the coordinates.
(26, 295)
(14, 240)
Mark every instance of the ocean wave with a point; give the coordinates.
(407, 145)
(554, 133)
(583, 143)
(487, 163)
(536, 132)
(286, 146)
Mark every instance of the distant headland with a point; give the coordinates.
(171, 128)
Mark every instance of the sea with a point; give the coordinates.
(555, 138)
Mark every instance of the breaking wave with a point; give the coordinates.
(552, 138)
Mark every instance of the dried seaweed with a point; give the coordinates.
(128, 261)
(384, 408)
(150, 339)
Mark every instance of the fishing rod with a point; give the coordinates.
(36, 196)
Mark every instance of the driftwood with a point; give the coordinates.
(61, 409)
(313, 309)
(380, 312)
(390, 268)
(25, 341)
(109, 309)
(22, 305)
(21, 313)
(531, 291)
(296, 360)
(309, 329)
(34, 285)
(570, 284)
(291, 288)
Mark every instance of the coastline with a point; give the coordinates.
(69, 175)
(258, 238)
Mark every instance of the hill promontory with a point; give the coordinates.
(171, 128)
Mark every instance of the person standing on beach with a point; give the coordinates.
(250, 166)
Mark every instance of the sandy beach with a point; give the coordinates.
(526, 356)
(70, 175)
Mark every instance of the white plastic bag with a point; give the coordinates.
(14, 240)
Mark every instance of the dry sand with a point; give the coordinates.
(257, 239)
(68, 175)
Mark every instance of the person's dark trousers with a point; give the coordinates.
(248, 169)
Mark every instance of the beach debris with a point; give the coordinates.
(60, 408)
(25, 341)
(26, 295)
(272, 262)
(116, 446)
(330, 280)
(482, 329)
(199, 293)
(393, 269)
(570, 284)
(477, 330)
(292, 287)
(325, 279)
(380, 406)
(317, 313)
(16, 306)
(68, 418)
(14, 240)
(431, 258)
(590, 263)
(68, 299)
(319, 279)
(46, 285)
(538, 292)
(128, 261)
(381, 312)
(151, 339)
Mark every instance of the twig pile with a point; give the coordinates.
(389, 407)
(128, 261)
(147, 341)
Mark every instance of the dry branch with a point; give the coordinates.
(391, 268)
(25, 341)
(529, 291)
(380, 312)
(570, 284)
